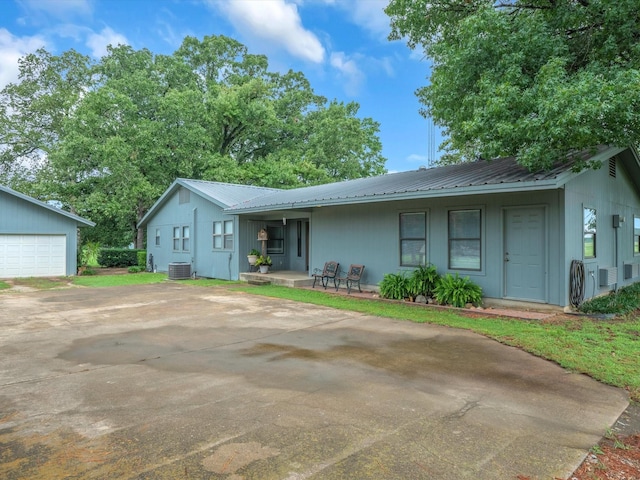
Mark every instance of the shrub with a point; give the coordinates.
(423, 280)
(394, 286)
(625, 300)
(117, 257)
(457, 291)
(88, 271)
(89, 253)
(142, 258)
(135, 269)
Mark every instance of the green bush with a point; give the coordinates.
(135, 269)
(117, 257)
(89, 254)
(142, 258)
(457, 291)
(625, 300)
(88, 271)
(423, 280)
(394, 286)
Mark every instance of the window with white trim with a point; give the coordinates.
(181, 239)
(223, 235)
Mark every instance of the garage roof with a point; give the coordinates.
(79, 220)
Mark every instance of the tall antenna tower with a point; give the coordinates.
(432, 148)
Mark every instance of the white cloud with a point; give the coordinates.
(276, 22)
(62, 9)
(12, 48)
(370, 15)
(415, 158)
(98, 42)
(349, 71)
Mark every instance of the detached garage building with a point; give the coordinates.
(36, 239)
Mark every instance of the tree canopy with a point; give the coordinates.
(105, 138)
(535, 79)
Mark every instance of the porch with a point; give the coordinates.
(285, 278)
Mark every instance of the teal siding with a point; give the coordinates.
(608, 196)
(198, 214)
(369, 234)
(18, 216)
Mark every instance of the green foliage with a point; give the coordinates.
(117, 131)
(254, 251)
(87, 271)
(538, 80)
(394, 286)
(4, 285)
(423, 280)
(117, 257)
(262, 260)
(142, 258)
(420, 281)
(136, 269)
(457, 291)
(621, 302)
(89, 254)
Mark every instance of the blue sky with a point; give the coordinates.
(340, 45)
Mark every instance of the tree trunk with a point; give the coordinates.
(139, 242)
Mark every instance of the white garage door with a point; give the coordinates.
(32, 255)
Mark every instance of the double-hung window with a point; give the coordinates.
(413, 239)
(176, 238)
(465, 232)
(181, 240)
(157, 237)
(223, 235)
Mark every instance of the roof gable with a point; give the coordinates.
(79, 220)
(221, 194)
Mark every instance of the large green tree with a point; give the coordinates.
(538, 79)
(106, 138)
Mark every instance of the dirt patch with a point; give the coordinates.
(110, 271)
(617, 456)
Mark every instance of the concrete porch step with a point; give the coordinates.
(282, 278)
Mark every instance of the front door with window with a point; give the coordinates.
(525, 254)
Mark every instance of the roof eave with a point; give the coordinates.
(27, 198)
(448, 192)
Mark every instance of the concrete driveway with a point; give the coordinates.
(178, 382)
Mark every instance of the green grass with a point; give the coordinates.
(4, 285)
(608, 351)
(41, 283)
(116, 280)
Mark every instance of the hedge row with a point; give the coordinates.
(122, 257)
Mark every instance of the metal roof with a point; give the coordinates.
(460, 179)
(76, 218)
(225, 194)
(222, 194)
